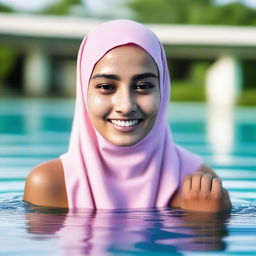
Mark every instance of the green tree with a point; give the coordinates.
(6, 55)
(62, 7)
(7, 60)
(5, 8)
(191, 12)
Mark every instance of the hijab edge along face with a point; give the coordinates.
(155, 51)
(143, 106)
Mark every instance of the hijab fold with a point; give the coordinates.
(101, 175)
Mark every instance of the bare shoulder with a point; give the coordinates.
(45, 185)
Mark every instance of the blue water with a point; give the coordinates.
(32, 131)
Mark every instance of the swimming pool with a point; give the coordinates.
(32, 131)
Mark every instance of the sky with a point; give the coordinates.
(96, 6)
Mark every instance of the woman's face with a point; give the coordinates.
(124, 95)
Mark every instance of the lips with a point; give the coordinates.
(124, 124)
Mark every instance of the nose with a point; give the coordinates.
(125, 101)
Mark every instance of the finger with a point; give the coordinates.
(186, 185)
(216, 191)
(196, 182)
(206, 184)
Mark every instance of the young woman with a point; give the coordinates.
(121, 152)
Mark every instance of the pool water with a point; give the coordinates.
(32, 131)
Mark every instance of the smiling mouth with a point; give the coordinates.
(125, 125)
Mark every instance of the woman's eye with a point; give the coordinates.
(105, 87)
(144, 86)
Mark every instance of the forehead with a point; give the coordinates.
(126, 58)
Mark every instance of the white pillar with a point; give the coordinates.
(223, 82)
(223, 85)
(36, 72)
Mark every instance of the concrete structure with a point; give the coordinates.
(40, 37)
(224, 78)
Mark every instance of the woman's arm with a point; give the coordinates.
(45, 185)
(202, 191)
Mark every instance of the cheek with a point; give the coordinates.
(95, 106)
(150, 105)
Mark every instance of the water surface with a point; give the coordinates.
(32, 131)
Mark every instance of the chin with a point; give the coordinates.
(125, 142)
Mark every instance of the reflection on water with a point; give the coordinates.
(129, 232)
(161, 231)
(221, 129)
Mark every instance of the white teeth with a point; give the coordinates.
(124, 123)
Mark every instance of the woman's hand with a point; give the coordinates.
(204, 192)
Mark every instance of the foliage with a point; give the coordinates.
(184, 90)
(191, 88)
(61, 7)
(247, 97)
(7, 60)
(249, 67)
(198, 72)
(7, 56)
(191, 12)
(5, 8)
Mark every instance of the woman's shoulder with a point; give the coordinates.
(45, 185)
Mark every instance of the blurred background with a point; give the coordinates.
(207, 42)
(211, 52)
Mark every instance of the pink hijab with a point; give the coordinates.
(100, 175)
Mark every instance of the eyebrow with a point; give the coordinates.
(134, 78)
